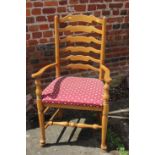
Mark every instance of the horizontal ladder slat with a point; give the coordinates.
(83, 18)
(80, 49)
(72, 124)
(80, 57)
(81, 66)
(79, 28)
(80, 39)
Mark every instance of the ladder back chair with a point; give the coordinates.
(79, 93)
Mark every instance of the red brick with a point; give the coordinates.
(97, 13)
(109, 27)
(49, 10)
(48, 34)
(51, 40)
(44, 40)
(115, 12)
(118, 19)
(61, 9)
(117, 54)
(126, 37)
(67, 33)
(26, 28)
(62, 2)
(95, 1)
(126, 19)
(50, 18)
(28, 5)
(91, 7)
(27, 36)
(33, 28)
(50, 3)
(119, 32)
(73, 1)
(83, 1)
(30, 49)
(28, 12)
(101, 6)
(127, 5)
(29, 20)
(99, 27)
(41, 18)
(32, 42)
(118, 37)
(124, 12)
(106, 12)
(80, 7)
(44, 27)
(36, 35)
(36, 11)
(38, 4)
(119, 0)
(63, 15)
(51, 26)
(62, 25)
(116, 5)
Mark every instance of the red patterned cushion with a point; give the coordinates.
(74, 91)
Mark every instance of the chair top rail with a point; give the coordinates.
(83, 18)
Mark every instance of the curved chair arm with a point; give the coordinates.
(42, 70)
(107, 77)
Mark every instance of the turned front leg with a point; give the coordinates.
(40, 111)
(105, 116)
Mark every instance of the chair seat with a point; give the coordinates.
(74, 91)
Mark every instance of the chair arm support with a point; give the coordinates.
(107, 77)
(42, 70)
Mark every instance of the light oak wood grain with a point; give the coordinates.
(80, 58)
(102, 55)
(79, 28)
(57, 53)
(81, 66)
(74, 107)
(80, 49)
(42, 70)
(83, 18)
(73, 124)
(80, 39)
(107, 77)
(104, 72)
(40, 108)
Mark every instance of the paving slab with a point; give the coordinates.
(75, 141)
(66, 141)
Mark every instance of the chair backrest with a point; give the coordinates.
(80, 30)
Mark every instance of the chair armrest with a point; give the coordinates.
(42, 70)
(107, 77)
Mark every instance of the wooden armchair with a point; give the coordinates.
(75, 92)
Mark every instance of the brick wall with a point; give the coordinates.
(40, 41)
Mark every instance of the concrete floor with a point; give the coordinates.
(66, 141)
(74, 141)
